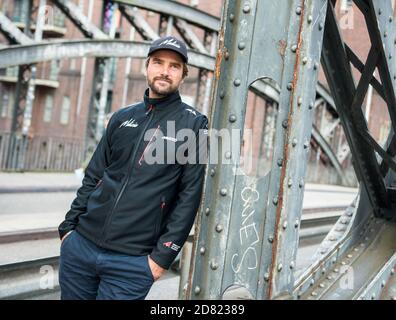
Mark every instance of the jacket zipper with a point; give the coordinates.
(148, 144)
(151, 112)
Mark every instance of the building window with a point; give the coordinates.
(346, 5)
(6, 102)
(49, 102)
(72, 64)
(54, 70)
(64, 119)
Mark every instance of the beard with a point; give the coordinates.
(162, 90)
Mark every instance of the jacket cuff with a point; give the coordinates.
(164, 261)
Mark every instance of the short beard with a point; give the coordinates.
(159, 91)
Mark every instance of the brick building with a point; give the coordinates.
(64, 88)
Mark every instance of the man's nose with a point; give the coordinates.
(165, 70)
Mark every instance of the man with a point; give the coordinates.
(132, 216)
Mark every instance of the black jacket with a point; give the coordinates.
(130, 206)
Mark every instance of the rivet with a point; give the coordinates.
(299, 101)
(294, 48)
(321, 25)
(226, 55)
(390, 56)
(241, 45)
(379, 11)
(321, 285)
(232, 17)
(373, 296)
(246, 9)
(343, 263)
(213, 265)
(383, 283)
(227, 155)
(280, 267)
(312, 282)
(291, 265)
(323, 251)
(296, 223)
(392, 272)
(237, 82)
(290, 183)
(314, 294)
(329, 278)
(232, 118)
(332, 238)
(385, 34)
(212, 172)
(306, 144)
(356, 249)
(222, 94)
(266, 276)
(298, 10)
(207, 211)
(349, 213)
(223, 192)
(271, 238)
(390, 19)
(289, 86)
(197, 290)
(294, 142)
(310, 106)
(336, 270)
(305, 60)
(310, 18)
(280, 162)
(301, 183)
(316, 66)
(275, 201)
(284, 226)
(219, 228)
(285, 123)
(349, 256)
(202, 250)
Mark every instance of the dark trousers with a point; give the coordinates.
(88, 272)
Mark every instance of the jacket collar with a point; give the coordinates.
(162, 103)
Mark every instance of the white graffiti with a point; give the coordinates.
(248, 234)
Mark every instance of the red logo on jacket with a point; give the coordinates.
(168, 244)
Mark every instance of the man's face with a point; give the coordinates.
(164, 73)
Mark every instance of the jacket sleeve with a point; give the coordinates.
(93, 173)
(181, 219)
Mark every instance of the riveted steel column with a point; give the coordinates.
(248, 233)
(301, 64)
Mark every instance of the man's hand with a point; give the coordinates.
(156, 270)
(65, 236)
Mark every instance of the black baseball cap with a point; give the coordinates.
(169, 43)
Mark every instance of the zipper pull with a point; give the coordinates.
(151, 107)
(163, 203)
